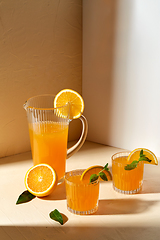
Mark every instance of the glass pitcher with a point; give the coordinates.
(48, 130)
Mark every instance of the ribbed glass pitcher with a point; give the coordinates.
(48, 130)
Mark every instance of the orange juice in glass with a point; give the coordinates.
(82, 196)
(48, 130)
(126, 181)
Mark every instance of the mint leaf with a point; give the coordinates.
(26, 196)
(55, 215)
(93, 178)
(141, 153)
(103, 176)
(106, 167)
(133, 165)
(144, 159)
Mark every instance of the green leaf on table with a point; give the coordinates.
(26, 196)
(103, 176)
(55, 215)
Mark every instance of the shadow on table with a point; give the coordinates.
(133, 204)
(123, 206)
(27, 156)
(151, 185)
(109, 206)
(58, 194)
(86, 232)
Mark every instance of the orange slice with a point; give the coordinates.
(134, 155)
(75, 101)
(94, 170)
(41, 180)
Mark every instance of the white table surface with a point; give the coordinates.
(119, 216)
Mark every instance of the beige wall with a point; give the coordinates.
(121, 72)
(40, 52)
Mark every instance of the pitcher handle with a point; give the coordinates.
(78, 145)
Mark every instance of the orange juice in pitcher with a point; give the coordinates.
(49, 144)
(48, 120)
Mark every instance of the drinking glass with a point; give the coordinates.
(48, 130)
(126, 181)
(82, 197)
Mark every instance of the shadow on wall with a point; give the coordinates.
(121, 74)
(118, 73)
(105, 60)
(99, 23)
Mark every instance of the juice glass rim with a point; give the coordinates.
(120, 154)
(38, 108)
(80, 183)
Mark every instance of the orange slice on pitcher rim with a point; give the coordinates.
(73, 99)
(134, 155)
(41, 180)
(95, 170)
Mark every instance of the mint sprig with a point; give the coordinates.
(101, 174)
(133, 165)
